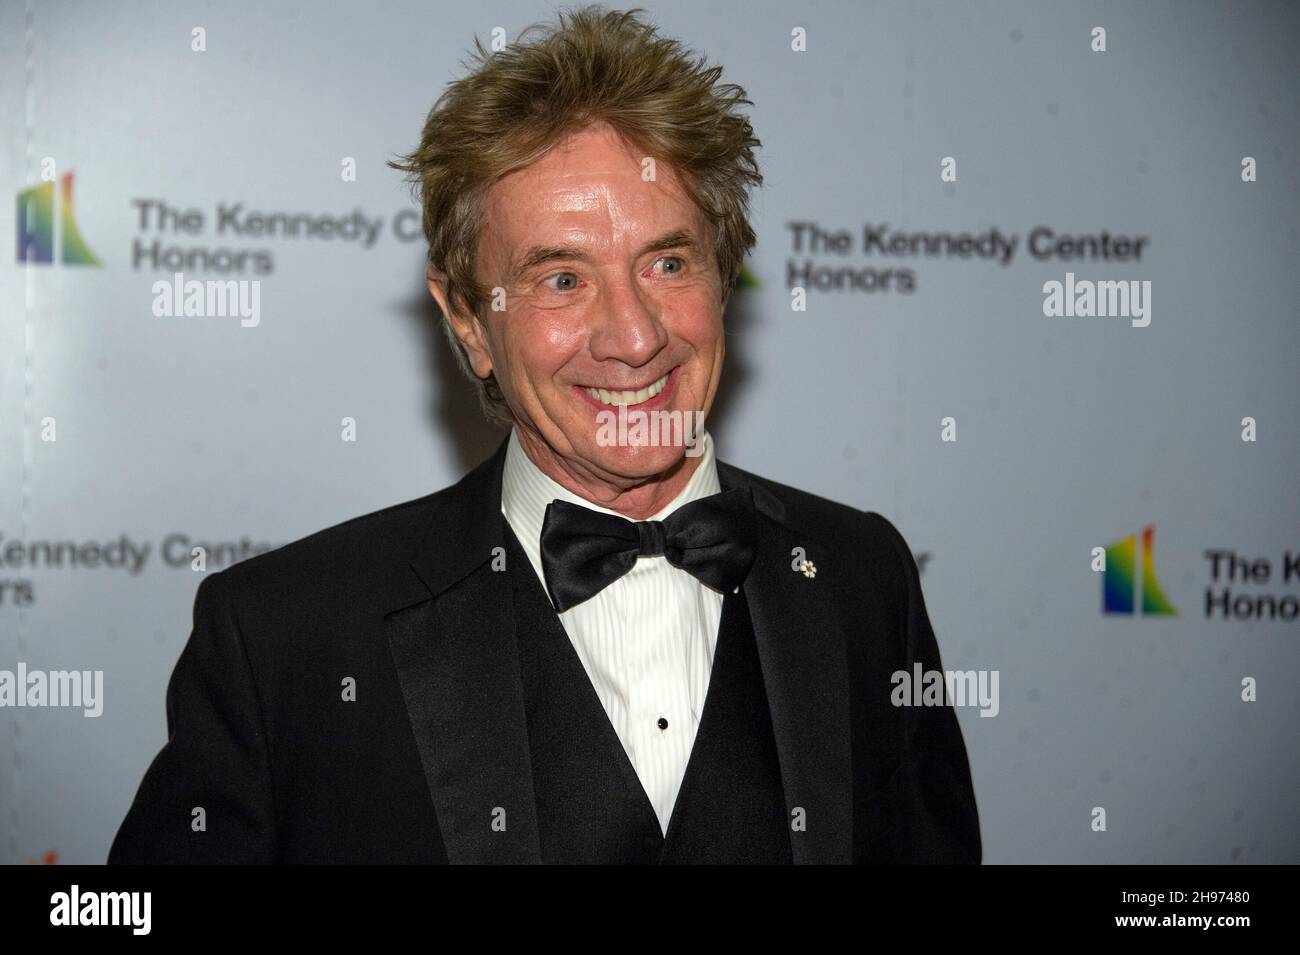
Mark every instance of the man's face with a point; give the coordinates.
(611, 284)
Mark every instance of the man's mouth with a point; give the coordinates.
(633, 397)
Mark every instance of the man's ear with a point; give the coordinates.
(467, 329)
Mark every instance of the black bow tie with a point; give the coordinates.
(584, 551)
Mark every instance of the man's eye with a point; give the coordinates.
(678, 263)
(564, 281)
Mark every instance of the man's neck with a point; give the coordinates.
(635, 499)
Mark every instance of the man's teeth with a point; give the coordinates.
(628, 397)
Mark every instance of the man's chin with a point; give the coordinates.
(632, 462)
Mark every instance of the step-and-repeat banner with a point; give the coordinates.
(1025, 283)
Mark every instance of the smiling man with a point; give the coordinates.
(612, 296)
(596, 647)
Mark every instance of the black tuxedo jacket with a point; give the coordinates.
(355, 696)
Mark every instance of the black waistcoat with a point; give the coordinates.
(592, 808)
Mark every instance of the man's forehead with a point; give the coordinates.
(591, 181)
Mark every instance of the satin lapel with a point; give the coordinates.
(458, 664)
(803, 651)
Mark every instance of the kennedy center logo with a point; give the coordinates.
(43, 227)
(1124, 588)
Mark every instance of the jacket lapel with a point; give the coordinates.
(803, 653)
(454, 648)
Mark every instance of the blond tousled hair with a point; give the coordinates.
(593, 65)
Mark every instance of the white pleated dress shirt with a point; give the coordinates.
(646, 640)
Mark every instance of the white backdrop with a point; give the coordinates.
(1072, 433)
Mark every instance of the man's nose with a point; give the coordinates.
(628, 327)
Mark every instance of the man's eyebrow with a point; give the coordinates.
(541, 254)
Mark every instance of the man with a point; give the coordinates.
(594, 648)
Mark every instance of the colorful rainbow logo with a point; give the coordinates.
(1119, 582)
(36, 218)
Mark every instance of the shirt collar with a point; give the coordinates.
(526, 490)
